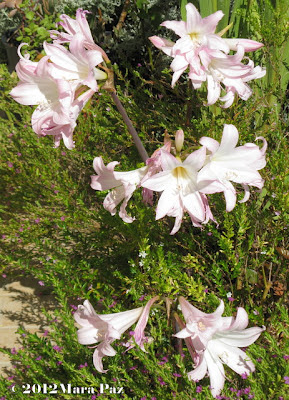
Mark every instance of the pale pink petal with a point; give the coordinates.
(239, 338)
(216, 372)
(214, 90)
(162, 44)
(235, 358)
(194, 19)
(139, 335)
(249, 45)
(200, 371)
(166, 202)
(179, 27)
(210, 23)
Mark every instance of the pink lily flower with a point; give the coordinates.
(124, 183)
(227, 163)
(181, 192)
(57, 109)
(216, 340)
(106, 328)
(78, 26)
(77, 65)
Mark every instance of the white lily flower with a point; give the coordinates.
(216, 340)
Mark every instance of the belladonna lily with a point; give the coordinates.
(57, 109)
(123, 184)
(106, 328)
(226, 163)
(216, 340)
(180, 189)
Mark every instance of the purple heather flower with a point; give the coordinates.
(199, 389)
(286, 379)
(62, 218)
(57, 348)
(14, 351)
(38, 358)
(4, 276)
(10, 165)
(177, 375)
(41, 283)
(286, 357)
(244, 376)
(37, 220)
(45, 333)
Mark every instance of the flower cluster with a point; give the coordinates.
(206, 54)
(62, 82)
(212, 340)
(184, 184)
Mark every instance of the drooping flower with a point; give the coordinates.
(180, 189)
(106, 328)
(227, 163)
(216, 340)
(123, 184)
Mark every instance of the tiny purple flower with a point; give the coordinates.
(41, 283)
(57, 348)
(10, 165)
(199, 389)
(286, 379)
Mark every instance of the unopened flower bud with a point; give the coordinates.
(179, 140)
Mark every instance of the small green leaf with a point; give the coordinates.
(30, 15)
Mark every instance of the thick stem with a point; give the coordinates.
(132, 131)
